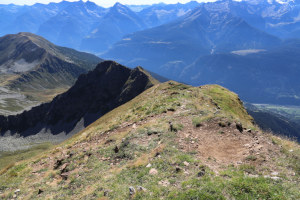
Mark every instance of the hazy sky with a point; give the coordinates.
(105, 3)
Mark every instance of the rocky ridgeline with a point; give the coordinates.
(93, 95)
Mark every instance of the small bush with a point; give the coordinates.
(222, 124)
(197, 122)
(248, 168)
(177, 127)
(251, 158)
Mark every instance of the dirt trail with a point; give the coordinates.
(219, 146)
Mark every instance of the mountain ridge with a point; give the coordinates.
(257, 76)
(186, 38)
(38, 69)
(95, 93)
(117, 22)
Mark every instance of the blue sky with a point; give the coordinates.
(105, 3)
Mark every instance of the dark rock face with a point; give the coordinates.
(109, 85)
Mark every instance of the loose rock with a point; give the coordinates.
(131, 191)
(140, 188)
(253, 175)
(153, 171)
(17, 191)
(186, 163)
(65, 176)
(275, 178)
(201, 173)
(64, 168)
(149, 165)
(274, 173)
(165, 183)
(239, 127)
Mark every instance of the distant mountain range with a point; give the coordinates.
(196, 43)
(85, 25)
(82, 24)
(38, 69)
(221, 43)
(200, 32)
(116, 23)
(71, 24)
(257, 76)
(280, 18)
(159, 14)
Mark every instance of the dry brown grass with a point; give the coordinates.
(5, 169)
(145, 158)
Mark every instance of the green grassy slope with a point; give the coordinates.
(8, 159)
(171, 142)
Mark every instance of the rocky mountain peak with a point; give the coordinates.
(118, 7)
(94, 94)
